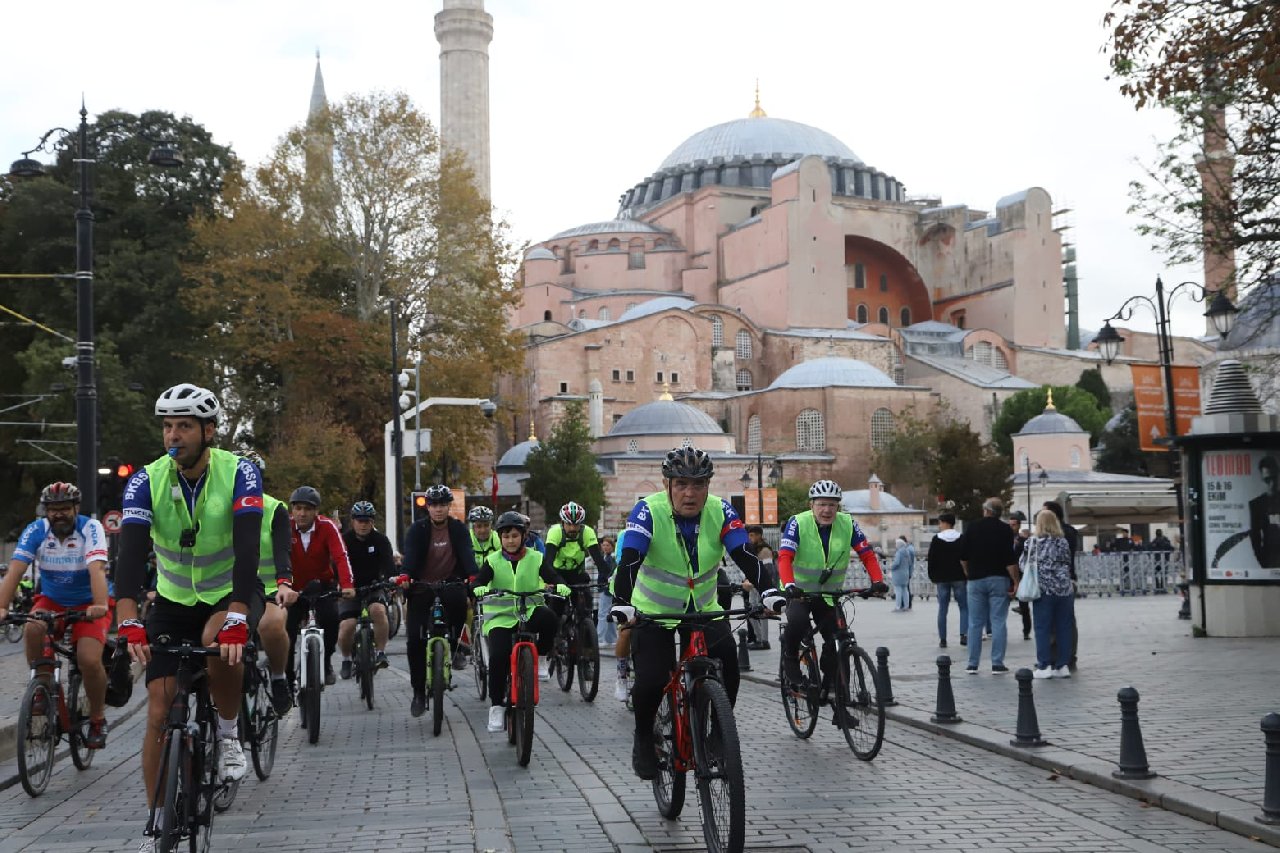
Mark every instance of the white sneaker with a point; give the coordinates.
(1062, 672)
(497, 718)
(620, 690)
(1047, 672)
(148, 845)
(544, 670)
(231, 763)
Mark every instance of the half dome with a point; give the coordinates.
(666, 417)
(653, 306)
(758, 137)
(832, 371)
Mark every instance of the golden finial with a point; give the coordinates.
(758, 112)
(666, 392)
(532, 436)
(1048, 406)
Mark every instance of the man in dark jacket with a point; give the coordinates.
(986, 554)
(946, 573)
(437, 549)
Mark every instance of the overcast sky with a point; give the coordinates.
(969, 101)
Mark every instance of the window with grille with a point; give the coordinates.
(617, 375)
(743, 344)
(1075, 457)
(998, 358)
(811, 432)
(884, 316)
(753, 434)
(717, 331)
(631, 376)
(881, 428)
(635, 259)
(675, 378)
(633, 446)
(862, 314)
(905, 317)
(884, 283)
(603, 314)
(744, 380)
(859, 276)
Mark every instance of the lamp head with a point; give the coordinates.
(26, 167)
(1108, 341)
(166, 154)
(1222, 313)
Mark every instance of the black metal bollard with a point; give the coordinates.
(946, 710)
(882, 672)
(744, 658)
(1028, 732)
(1133, 755)
(1271, 784)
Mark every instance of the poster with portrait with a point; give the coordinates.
(1241, 526)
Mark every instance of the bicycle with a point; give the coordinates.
(363, 646)
(695, 730)
(22, 600)
(522, 678)
(259, 722)
(188, 785)
(843, 677)
(395, 613)
(479, 654)
(48, 711)
(310, 660)
(576, 647)
(439, 651)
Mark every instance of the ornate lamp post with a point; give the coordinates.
(1044, 478)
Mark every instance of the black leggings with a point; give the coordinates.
(543, 622)
(653, 650)
(454, 601)
(798, 614)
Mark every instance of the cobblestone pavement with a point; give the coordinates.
(379, 781)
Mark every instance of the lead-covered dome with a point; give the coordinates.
(1050, 422)
(758, 137)
(518, 454)
(832, 371)
(666, 417)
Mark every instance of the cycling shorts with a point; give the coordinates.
(95, 630)
(170, 623)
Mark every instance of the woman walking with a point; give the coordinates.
(904, 560)
(1052, 612)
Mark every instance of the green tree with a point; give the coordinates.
(562, 468)
(1079, 405)
(793, 499)
(1119, 450)
(1091, 380)
(907, 460)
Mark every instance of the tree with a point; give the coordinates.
(1091, 380)
(1081, 406)
(906, 461)
(562, 468)
(793, 499)
(316, 450)
(1213, 62)
(1119, 451)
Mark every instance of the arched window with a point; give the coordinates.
(905, 317)
(593, 246)
(862, 314)
(635, 260)
(546, 316)
(744, 380)
(998, 358)
(603, 314)
(884, 315)
(717, 331)
(630, 305)
(1075, 457)
(615, 245)
(1024, 459)
(742, 343)
(881, 428)
(660, 243)
(566, 261)
(753, 434)
(633, 446)
(811, 433)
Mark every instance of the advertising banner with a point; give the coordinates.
(751, 506)
(1148, 394)
(1241, 528)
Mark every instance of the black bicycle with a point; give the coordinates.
(576, 648)
(259, 722)
(843, 677)
(188, 784)
(363, 647)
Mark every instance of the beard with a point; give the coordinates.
(63, 527)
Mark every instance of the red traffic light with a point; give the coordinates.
(124, 470)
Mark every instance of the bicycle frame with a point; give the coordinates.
(310, 629)
(56, 625)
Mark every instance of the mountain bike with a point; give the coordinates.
(576, 648)
(310, 660)
(439, 651)
(188, 785)
(395, 613)
(843, 677)
(695, 730)
(48, 711)
(479, 653)
(259, 723)
(363, 646)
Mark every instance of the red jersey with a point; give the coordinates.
(325, 553)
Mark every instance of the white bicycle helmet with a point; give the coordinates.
(188, 400)
(825, 489)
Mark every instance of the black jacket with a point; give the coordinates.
(418, 539)
(944, 557)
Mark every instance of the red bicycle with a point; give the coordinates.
(522, 678)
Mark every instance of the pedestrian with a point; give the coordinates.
(1123, 545)
(1073, 540)
(986, 555)
(1051, 554)
(758, 629)
(606, 631)
(948, 576)
(904, 560)
(1163, 550)
(1016, 518)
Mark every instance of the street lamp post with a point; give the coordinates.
(775, 474)
(1044, 478)
(163, 154)
(1221, 313)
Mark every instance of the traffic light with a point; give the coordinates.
(123, 472)
(111, 485)
(418, 506)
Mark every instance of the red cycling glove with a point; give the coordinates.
(234, 631)
(133, 632)
(402, 580)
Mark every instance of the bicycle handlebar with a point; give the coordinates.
(187, 650)
(68, 617)
(711, 616)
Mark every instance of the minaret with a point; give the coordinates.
(464, 30)
(319, 103)
(318, 141)
(1216, 166)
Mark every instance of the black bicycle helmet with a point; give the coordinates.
(305, 495)
(60, 493)
(688, 462)
(511, 519)
(439, 494)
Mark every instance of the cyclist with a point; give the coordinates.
(436, 548)
(813, 556)
(516, 568)
(201, 509)
(568, 545)
(370, 552)
(484, 539)
(320, 555)
(674, 541)
(277, 585)
(71, 550)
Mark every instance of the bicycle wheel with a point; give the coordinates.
(364, 662)
(265, 726)
(224, 793)
(564, 659)
(395, 614)
(315, 681)
(798, 703)
(668, 785)
(858, 704)
(78, 713)
(479, 666)
(204, 790)
(524, 705)
(722, 792)
(37, 737)
(173, 812)
(588, 661)
(13, 630)
(438, 650)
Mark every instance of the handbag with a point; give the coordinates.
(1029, 586)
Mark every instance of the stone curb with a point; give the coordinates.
(1217, 810)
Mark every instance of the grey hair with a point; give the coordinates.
(995, 506)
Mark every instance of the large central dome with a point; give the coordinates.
(758, 137)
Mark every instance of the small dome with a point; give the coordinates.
(666, 417)
(653, 306)
(1049, 422)
(858, 502)
(540, 253)
(833, 371)
(613, 226)
(1257, 326)
(516, 456)
(758, 137)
